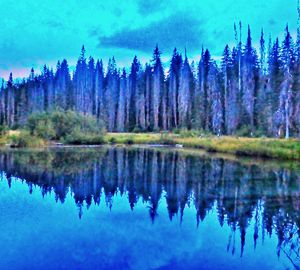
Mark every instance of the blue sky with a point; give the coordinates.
(34, 33)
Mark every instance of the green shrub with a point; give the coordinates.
(129, 141)
(176, 131)
(66, 122)
(25, 139)
(45, 131)
(166, 139)
(15, 127)
(79, 138)
(62, 124)
(137, 130)
(112, 140)
(259, 133)
(3, 130)
(193, 133)
(244, 131)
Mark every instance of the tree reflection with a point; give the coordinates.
(269, 196)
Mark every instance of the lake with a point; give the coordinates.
(146, 208)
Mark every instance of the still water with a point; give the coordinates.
(143, 208)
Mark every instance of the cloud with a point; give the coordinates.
(54, 24)
(178, 30)
(145, 7)
(272, 21)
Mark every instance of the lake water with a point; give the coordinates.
(143, 208)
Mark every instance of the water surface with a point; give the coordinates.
(142, 208)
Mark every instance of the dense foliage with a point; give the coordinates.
(245, 94)
(59, 125)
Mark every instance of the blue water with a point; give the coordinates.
(127, 208)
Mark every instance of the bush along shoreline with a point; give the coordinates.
(65, 127)
(71, 128)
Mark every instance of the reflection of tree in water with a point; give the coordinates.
(270, 197)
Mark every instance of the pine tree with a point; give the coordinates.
(132, 94)
(90, 87)
(148, 94)
(205, 97)
(80, 82)
(234, 95)
(226, 66)
(185, 95)
(173, 89)
(21, 105)
(112, 94)
(62, 85)
(122, 103)
(286, 94)
(264, 111)
(10, 102)
(2, 103)
(296, 105)
(99, 108)
(217, 114)
(249, 88)
(140, 101)
(158, 89)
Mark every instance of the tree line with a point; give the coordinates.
(248, 93)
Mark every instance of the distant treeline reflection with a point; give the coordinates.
(268, 195)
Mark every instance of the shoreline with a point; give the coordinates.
(279, 149)
(270, 148)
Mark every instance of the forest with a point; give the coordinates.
(250, 92)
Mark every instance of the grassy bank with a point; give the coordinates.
(254, 147)
(251, 147)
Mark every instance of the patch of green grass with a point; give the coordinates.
(254, 147)
(133, 138)
(280, 149)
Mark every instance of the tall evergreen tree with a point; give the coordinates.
(80, 82)
(132, 94)
(226, 66)
(286, 94)
(173, 89)
(99, 102)
(296, 105)
(90, 88)
(148, 94)
(122, 104)
(10, 102)
(185, 95)
(112, 93)
(205, 97)
(62, 92)
(217, 114)
(249, 88)
(158, 89)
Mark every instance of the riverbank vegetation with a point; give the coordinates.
(254, 147)
(45, 128)
(58, 127)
